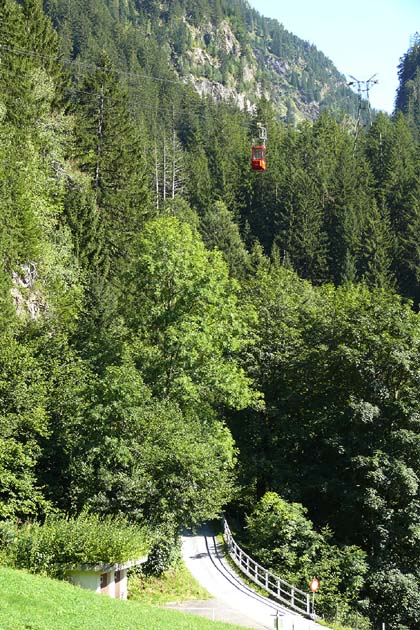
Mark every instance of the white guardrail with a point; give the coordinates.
(280, 589)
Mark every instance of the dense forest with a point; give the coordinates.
(181, 336)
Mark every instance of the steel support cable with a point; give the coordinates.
(135, 76)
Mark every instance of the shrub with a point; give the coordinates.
(164, 554)
(64, 543)
(395, 599)
(282, 538)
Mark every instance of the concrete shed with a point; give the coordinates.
(108, 579)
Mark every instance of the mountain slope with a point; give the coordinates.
(223, 48)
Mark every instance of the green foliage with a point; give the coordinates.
(21, 232)
(220, 231)
(24, 26)
(409, 85)
(188, 324)
(344, 363)
(164, 555)
(108, 147)
(281, 537)
(339, 372)
(395, 597)
(23, 422)
(135, 455)
(60, 544)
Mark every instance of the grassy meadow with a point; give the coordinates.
(33, 602)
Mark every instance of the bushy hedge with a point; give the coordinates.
(62, 543)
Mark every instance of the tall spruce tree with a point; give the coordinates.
(375, 252)
(402, 195)
(220, 231)
(109, 147)
(408, 93)
(302, 235)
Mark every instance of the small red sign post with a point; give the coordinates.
(314, 586)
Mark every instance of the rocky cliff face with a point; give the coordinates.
(27, 298)
(299, 83)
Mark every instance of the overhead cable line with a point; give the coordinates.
(196, 109)
(75, 62)
(135, 76)
(160, 111)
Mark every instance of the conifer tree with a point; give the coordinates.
(27, 91)
(109, 147)
(219, 230)
(302, 234)
(408, 93)
(375, 253)
(29, 60)
(401, 193)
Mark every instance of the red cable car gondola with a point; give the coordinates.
(258, 159)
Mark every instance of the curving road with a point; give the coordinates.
(233, 601)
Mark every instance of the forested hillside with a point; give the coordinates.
(221, 47)
(182, 336)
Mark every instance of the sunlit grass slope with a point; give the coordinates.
(32, 602)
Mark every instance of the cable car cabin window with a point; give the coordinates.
(258, 162)
(259, 154)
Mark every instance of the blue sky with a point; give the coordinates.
(361, 37)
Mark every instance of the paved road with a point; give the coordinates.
(233, 601)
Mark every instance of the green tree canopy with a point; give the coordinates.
(184, 313)
(138, 456)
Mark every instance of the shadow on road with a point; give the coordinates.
(209, 529)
